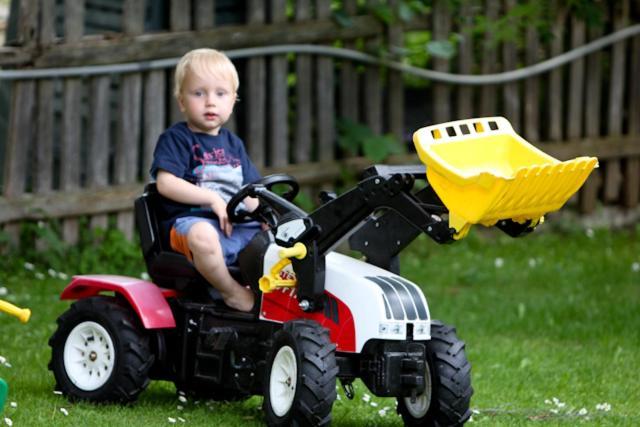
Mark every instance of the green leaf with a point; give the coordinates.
(384, 13)
(342, 18)
(441, 48)
(405, 12)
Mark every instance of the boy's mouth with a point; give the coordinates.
(210, 116)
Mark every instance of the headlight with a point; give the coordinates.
(421, 329)
(392, 329)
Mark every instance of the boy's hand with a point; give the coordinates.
(219, 208)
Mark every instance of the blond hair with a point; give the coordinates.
(205, 62)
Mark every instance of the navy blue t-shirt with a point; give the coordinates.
(219, 163)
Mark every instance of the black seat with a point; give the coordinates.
(166, 268)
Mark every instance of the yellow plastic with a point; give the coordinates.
(484, 172)
(272, 281)
(23, 314)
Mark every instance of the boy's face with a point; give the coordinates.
(206, 101)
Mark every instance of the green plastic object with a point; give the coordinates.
(3, 393)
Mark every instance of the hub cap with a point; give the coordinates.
(89, 356)
(282, 384)
(420, 407)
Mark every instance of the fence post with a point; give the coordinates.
(129, 120)
(256, 102)
(303, 141)
(613, 171)
(589, 192)
(278, 97)
(325, 92)
(632, 171)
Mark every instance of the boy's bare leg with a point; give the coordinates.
(207, 257)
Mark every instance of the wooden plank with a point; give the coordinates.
(128, 137)
(613, 169)
(511, 94)
(45, 136)
(98, 50)
(488, 98)
(180, 15)
(326, 95)
(441, 92)
(631, 193)
(47, 23)
(256, 106)
(28, 23)
(20, 135)
(154, 116)
(72, 203)
(127, 140)
(133, 17)
(278, 97)
(576, 82)
(532, 89)
(99, 140)
(373, 93)
(349, 81)
(465, 61)
(303, 142)
(73, 21)
(395, 37)
(70, 159)
(555, 94)
(45, 93)
(205, 14)
(589, 192)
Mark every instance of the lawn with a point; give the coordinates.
(551, 322)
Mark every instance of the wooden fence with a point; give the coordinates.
(81, 146)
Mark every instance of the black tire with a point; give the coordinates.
(126, 376)
(447, 398)
(313, 389)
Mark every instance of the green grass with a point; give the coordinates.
(551, 315)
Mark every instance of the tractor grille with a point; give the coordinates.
(401, 298)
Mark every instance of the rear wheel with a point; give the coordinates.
(300, 386)
(100, 352)
(447, 395)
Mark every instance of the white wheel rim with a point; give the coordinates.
(89, 356)
(282, 383)
(420, 407)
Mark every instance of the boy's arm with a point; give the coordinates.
(182, 191)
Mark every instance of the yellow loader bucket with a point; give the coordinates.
(484, 172)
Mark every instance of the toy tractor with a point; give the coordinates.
(322, 316)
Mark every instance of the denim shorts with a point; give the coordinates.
(231, 246)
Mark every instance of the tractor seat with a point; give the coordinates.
(167, 268)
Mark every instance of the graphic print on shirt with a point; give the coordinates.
(218, 171)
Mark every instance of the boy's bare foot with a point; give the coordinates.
(241, 300)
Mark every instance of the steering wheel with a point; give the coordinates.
(264, 212)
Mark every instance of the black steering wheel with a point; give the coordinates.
(264, 212)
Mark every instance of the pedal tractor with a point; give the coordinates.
(23, 314)
(322, 316)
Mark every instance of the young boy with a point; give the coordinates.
(198, 162)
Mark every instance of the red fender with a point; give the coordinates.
(148, 300)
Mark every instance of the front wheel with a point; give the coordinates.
(100, 352)
(300, 386)
(447, 395)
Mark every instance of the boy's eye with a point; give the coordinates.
(198, 93)
(221, 93)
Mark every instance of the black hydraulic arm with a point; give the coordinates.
(338, 218)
